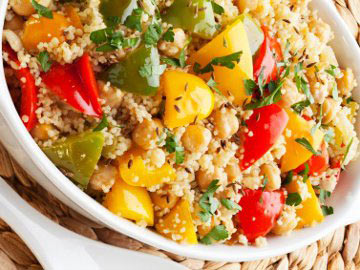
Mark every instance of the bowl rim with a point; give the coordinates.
(277, 245)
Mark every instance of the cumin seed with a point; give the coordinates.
(177, 108)
(187, 170)
(186, 86)
(311, 65)
(287, 21)
(130, 163)
(296, 30)
(178, 98)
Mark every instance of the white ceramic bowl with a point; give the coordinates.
(346, 197)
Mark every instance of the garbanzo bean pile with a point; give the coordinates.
(208, 121)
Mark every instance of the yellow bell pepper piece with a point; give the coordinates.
(42, 29)
(73, 16)
(232, 39)
(187, 98)
(309, 211)
(130, 202)
(178, 224)
(296, 154)
(135, 172)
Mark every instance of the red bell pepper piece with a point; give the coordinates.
(265, 126)
(28, 90)
(267, 58)
(317, 163)
(259, 212)
(76, 85)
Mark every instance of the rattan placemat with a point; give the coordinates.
(337, 251)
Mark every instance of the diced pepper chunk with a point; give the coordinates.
(73, 16)
(188, 98)
(233, 39)
(178, 224)
(130, 202)
(77, 155)
(309, 211)
(196, 16)
(135, 172)
(42, 29)
(121, 9)
(296, 154)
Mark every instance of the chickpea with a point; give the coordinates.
(286, 222)
(272, 172)
(103, 178)
(163, 198)
(203, 179)
(226, 123)
(196, 138)
(205, 228)
(233, 171)
(25, 8)
(41, 131)
(15, 24)
(147, 133)
(174, 48)
(291, 94)
(347, 83)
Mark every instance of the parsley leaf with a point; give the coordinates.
(111, 40)
(152, 34)
(229, 204)
(103, 124)
(171, 145)
(331, 70)
(323, 195)
(171, 61)
(300, 106)
(327, 210)
(301, 84)
(223, 61)
(217, 8)
(213, 85)
(347, 151)
(44, 61)
(41, 10)
(134, 20)
(207, 201)
(169, 35)
(293, 199)
(305, 173)
(305, 143)
(217, 233)
(152, 69)
(288, 178)
(250, 86)
(274, 97)
(182, 58)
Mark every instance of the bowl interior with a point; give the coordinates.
(343, 200)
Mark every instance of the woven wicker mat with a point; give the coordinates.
(338, 250)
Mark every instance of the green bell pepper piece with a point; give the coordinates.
(254, 33)
(77, 155)
(139, 73)
(118, 8)
(196, 16)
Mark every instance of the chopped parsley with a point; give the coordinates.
(305, 143)
(229, 204)
(223, 61)
(331, 70)
(41, 10)
(151, 70)
(288, 178)
(301, 84)
(44, 61)
(171, 61)
(171, 145)
(349, 99)
(182, 58)
(217, 233)
(104, 123)
(300, 106)
(217, 8)
(207, 201)
(323, 195)
(305, 173)
(250, 86)
(213, 85)
(153, 34)
(134, 20)
(347, 151)
(293, 199)
(169, 35)
(327, 210)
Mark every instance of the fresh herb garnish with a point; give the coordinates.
(223, 61)
(217, 8)
(347, 151)
(171, 145)
(349, 99)
(44, 61)
(288, 178)
(134, 20)
(213, 85)
(182, 58)
(323, 195)
(103, 124)
(217, 233)
(305, 143)
(250, 86)
(301, 84)
(169, 35)
(151, 70)
(41, 10)
(327, 210)
(331, 70)
(300, 106)
(171, 61)
(305, 173)
(207, 201)
(293, 199)
(229, 204)
(153, 34)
